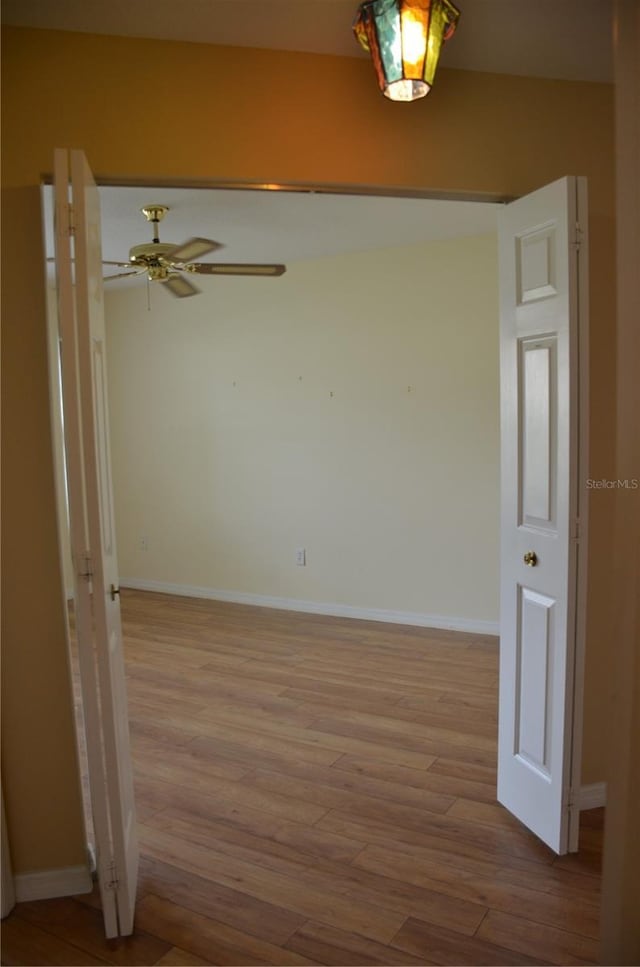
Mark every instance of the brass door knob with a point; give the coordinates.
(114, 591)
(530, 558)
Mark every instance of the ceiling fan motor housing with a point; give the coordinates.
(150, 252)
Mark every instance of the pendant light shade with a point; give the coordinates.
(404, 38)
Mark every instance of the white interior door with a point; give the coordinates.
(97, 606)
(543, 276)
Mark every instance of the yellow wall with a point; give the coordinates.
(620, 923)
(240, 115)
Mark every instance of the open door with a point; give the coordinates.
(543, 346)
(93, 549)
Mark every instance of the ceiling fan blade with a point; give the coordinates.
(121, 275)
(193, 248)
(179, 286)
(236, 268)
(123, 265)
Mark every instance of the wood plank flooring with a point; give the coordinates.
(316, 790)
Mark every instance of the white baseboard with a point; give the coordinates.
(470, 625)
(46, 884)
(593, 796)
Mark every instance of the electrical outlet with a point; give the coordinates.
(301, 557)
(143, 543)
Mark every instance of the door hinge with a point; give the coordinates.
(71, 217)
(578, 236)
(86, 566)
(575, 530)
(111, 879)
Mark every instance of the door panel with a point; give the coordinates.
(81, 315)
(538, 421)
(540, 317)
(536, 264)
(535, 659)
(102, 446)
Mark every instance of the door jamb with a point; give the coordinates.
(581, 535)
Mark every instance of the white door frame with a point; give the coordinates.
(588, 797)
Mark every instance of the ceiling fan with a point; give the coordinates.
(169, 264)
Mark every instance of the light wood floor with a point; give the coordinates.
(317, 790)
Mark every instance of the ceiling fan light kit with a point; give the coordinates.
(405, 38)
(166, 263)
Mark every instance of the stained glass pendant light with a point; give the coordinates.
(404, 38)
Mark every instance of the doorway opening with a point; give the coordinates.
(370, 344)
(364, 392)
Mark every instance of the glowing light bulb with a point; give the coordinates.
(414, 39)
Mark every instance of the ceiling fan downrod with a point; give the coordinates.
(154, 214)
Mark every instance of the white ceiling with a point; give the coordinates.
(279, 226)
(564, 39)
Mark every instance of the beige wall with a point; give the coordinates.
(350, 407)
(248, 115)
